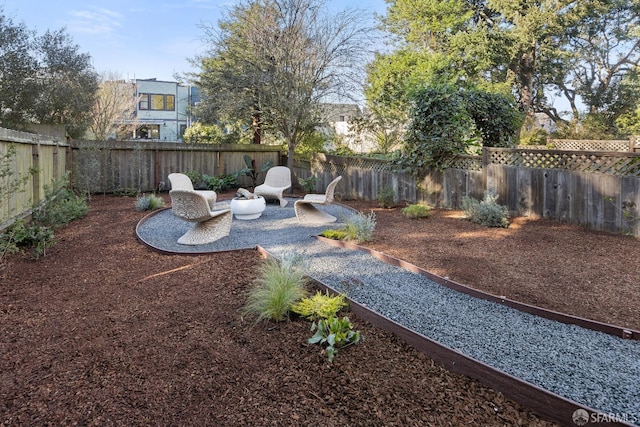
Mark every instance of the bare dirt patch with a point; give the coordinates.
(104, 331)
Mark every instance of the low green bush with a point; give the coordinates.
(220, 183)
(486, 212)
(149, 203)
(308, 184)
(278, 286)
(386, 197)
(319, 306)
(334, 234)
(59, 207)
(417, 210)
(359, 227)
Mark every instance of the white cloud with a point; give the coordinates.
(97, 21)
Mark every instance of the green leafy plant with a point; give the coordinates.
(149, 203)
(278, 286)
(308, 184)
(319, 306)
(486, 212)
(22, 235)
(359, 227)
(251, 170)
(386, 197)
(334, 333)
(195, 178)
(220, 183)
(334, 234)
(416, 210)
(60, 205)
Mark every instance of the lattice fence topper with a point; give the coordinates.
(590, 145)
(587, 162)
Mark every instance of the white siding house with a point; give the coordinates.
(162, 112)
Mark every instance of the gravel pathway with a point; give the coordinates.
(593, 368)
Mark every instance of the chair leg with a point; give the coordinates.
(307, 213)
(208, 231)
(283, 202)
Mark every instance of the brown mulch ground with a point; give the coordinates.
(104, 331)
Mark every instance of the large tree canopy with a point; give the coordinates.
(44, 79)
(584, 51)
(275, 61)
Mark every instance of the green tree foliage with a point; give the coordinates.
(447, 121)
(440, 127)
(583, 51)
(201, 133)
(44, 79)
(274, 61)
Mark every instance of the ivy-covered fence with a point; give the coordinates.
(600, 190)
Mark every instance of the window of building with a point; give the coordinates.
(156, 102)
(143, 101)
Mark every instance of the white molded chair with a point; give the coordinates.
(180, 181)
(209, 225)
(277, 180)
(306, 212)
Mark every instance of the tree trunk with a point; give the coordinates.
(257, 129)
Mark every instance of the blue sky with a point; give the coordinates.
(138, 38)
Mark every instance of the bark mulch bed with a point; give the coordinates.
(104, 331)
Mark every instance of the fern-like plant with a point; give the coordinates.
(319, 306)
(278, 286)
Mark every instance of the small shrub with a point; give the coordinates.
(359, 227)
(319, 306)
(220, 183)
(417, 210)
(486, 212)
(335, 333)
(149, 203)
(195, 178)
(386, 197)
(22, 235)
(125, 192)
(334, 234)
(278, 286)
(308, 184)
(60, 205)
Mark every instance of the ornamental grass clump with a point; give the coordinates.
(486, 212)
(279, 285)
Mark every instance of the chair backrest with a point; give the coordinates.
(180, 181)
(189, 205)
(330, 189)
(278, 176)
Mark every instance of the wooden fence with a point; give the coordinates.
(42, 154)
(600, 190)
(597, 189)
(144, 167)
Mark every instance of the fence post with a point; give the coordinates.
(485, 167)
(35, 163)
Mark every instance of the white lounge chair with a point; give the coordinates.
(277, 180)
(307, 213)
(209, 225)
(180, 181)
